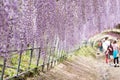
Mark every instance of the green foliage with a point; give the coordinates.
(25, 62)
(86, 51)
(1, 60)
(23, 66)
(96, 44)
(14, 59)
(10, 72)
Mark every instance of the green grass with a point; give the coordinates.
(86, 51)
(13, 61)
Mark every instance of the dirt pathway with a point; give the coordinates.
(107, 71)
(81, 68)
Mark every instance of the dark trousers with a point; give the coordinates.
(116, 59)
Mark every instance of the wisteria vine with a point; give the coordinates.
(54, 23)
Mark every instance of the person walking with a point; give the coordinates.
(105, 45)
(100, 46)
(110, 53)
(116, 54)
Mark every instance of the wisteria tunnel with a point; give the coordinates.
(36, 32)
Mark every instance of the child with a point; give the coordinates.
(109, 52)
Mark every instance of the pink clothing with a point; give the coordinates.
(115, 46)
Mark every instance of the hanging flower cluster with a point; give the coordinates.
(54, 23)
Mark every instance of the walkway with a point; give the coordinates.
(81, 68)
